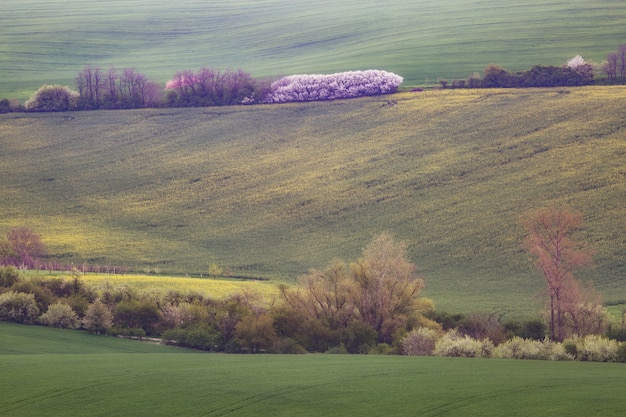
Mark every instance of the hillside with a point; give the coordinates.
(274, 190)
(422, 40)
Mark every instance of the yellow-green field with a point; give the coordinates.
(271, 191)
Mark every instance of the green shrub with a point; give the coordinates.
(18, 307)
(595, 348)
(194, 338)
(621, 353)
(455, 345)
(518, 348)
(9, 275)
(127, 332)
(419, 342)
(98, 318)
(60, 315)
(287, 345)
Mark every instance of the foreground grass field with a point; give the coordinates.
(49, 372)
(422, 40)
(274, 190)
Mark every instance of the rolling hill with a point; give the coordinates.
(274, 190)
(422, 40)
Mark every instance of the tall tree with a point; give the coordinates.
(558, 256)
(386, 286)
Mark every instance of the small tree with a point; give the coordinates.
(18, 307)
(53, 98)
(60, 315)
(557, 257)
(98, 317)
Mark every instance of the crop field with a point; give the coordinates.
(271, 191)
(161, 285)
(45, 371)
(423, 40)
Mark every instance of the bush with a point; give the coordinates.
(194, 338)
(621, 353)
(98, 318)
(52, 98)
(60, 315)
(9, 275)
(454, 345)
(593, 348)
(419, 342)
(341, 85)
(518, 348)
(18, 307)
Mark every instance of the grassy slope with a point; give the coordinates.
(49, 42)
(274, 190)
(67, 373)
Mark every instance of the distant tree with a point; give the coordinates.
(210, 87)
(5, 106)
(26, 246)
(9, 275)
(98, 318)
(255, 332)
(349, 84)
(215, 270)
(610, 66)
(558, 256)
(90, 83)
(137, 315)
(386, 287)
(495, 76)
(60, 315)
(18, 307)
(49, 98)
(621, 55)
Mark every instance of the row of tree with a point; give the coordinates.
(113, 89)
(371, 305)
(576, 72)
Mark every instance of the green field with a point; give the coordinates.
(275, 190)
(422, 40)
(50, 372)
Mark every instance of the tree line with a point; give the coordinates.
(372, 305)
(127, 89)
(575, 72)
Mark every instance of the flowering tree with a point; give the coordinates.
(52, 98)
(334, 86)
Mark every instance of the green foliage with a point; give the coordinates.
(201, 338)
(419, 342)
(453, 344)
(137, 315)
(18, 307)
(9, 275)
(593, 348)
(518, 348)
(60, 315)
(98, 318)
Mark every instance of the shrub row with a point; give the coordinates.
(596, 348)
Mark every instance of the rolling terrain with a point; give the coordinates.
(46, 372)
(274, 190)
(50, 42)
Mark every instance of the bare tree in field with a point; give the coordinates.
(90, 83)
(621, 55)
(557, 257)
(610, 66)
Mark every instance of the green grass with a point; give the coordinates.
(422, 40)
(274, 190)
(81, 381)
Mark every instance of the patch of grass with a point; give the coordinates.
(423, 40)
(270, 191)
(176, 382)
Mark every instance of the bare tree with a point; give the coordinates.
(557, 257)
(610, 66)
